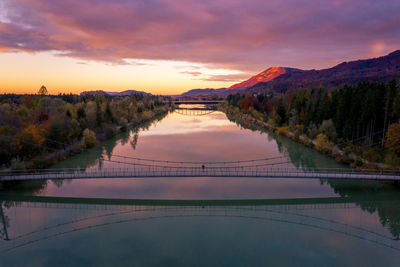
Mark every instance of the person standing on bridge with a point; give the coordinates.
(202, 166)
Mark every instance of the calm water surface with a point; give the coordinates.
(165, 221)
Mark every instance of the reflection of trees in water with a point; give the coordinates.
(262, 213)
(17, 187)
(297, 153)
(388, 211)
(134, 140)
(81, 162)
(243, 124)
(32, 187)
(300, 156)
(91, 158)
(5, 222)
(124, 138)
(108, 147)
(95, 156)
(135, 131)
(389, 216)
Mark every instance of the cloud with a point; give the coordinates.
(227, 77)
(193, 73)
(217, 78)
(244, 35)
(192, 67)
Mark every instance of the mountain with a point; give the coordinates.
(265, 76)
(123, 93)
(127, 93)
(282, 79)
(202, 92)
(379, 69)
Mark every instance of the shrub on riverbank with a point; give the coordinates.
(283, 131)
(322, 144)
(89, 138)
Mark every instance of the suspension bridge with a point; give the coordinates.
(159, 171)
(152, 168)
(133, 167)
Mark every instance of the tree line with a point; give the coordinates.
(37, 128)
(366, 113)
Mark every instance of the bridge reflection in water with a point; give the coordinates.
(197, 110)
(193, 112)
(89, 213)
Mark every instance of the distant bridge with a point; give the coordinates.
(157, 171)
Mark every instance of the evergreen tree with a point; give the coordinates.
(108, 113)
(281, 111)
(99, 116)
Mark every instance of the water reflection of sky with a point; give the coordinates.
(176, 123)
(211, 137)
(299, 236)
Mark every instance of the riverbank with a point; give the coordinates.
(48, 160)
(323, 146)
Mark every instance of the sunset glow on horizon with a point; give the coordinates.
(69, 75)
(168, 47)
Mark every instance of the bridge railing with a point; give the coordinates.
(167, 171)
(194, 168)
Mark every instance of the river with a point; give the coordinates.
(199, 221)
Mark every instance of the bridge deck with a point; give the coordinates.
(198, 172)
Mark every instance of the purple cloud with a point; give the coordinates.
(245, 35)
(228, 77)
(193, 73)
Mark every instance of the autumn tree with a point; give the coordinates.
(108, 113)
(28, 102)
(393, 138)
(57, 132)
(99, 115)
(81, 113)
(30, 141)
(89, 138)
(8, 148)
(322, 144)
(327, 127)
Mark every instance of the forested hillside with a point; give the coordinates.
(38, 130)
(363, 119)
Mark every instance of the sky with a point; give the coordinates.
(171, 46)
